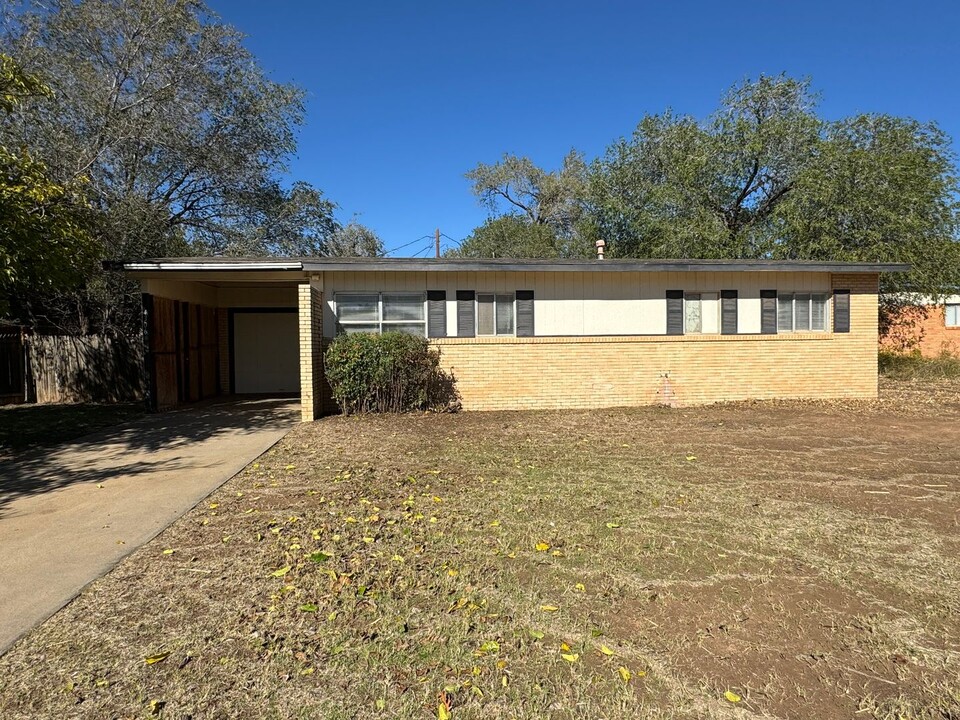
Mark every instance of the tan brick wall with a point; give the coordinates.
(922, 328)
(585, 372)
(312, 383)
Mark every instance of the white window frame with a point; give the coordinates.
(382, 325)
(946, 315)
(495, 295)
(793, 311)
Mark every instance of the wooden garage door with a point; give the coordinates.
(266, 353)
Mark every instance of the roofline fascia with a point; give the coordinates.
(602, 266)
(222, 266)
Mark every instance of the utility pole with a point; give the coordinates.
(437, 237)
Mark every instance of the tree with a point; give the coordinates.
(44, 241)
(681, 188)
(354, 240)
(510, 236)
(182, 138)
(550, 204)
(880, 188)
(765, 176)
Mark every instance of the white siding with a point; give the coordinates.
(582, 303)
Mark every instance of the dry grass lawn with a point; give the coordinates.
(770, 560)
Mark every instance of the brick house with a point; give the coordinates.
(519, 333)
(930, 328)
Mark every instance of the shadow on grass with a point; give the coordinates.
(132, 447)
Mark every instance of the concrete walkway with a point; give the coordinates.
(70, 514)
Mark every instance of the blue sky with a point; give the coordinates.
(405, 97)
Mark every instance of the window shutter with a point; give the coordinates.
(436, 313)
(841, 311)
(466, 319)
(674, 312)
(524, 313)
(768, 312)
(728, 312)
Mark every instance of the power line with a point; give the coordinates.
(424, 237)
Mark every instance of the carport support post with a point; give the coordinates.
(310, 302)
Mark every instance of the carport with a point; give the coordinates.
(219, 327)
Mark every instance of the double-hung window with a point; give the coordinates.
(952, 314)
(382, 312)
(801, 312)
(496, 314)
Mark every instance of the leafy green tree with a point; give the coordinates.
(181, 136)
(531, 209)
(510, 236)
(765, 176)
(44, 240)
(879, 188)
(354, 240)
(681, 188)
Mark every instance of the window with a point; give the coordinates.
(381, 312)
(801, 312)
(701, 313)
(495, 314)
(952, 314)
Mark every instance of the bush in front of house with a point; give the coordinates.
(392, 372)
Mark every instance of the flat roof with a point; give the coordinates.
(385, 264)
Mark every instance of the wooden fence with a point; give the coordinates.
(92, 368)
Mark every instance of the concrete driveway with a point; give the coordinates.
(70, 514)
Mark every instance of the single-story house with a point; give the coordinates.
(519, 333)
(930, 327)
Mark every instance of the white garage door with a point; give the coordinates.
(266, 352)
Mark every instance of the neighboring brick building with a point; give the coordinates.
(521, 333)
(930, 329)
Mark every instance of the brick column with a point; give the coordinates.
(310, 303)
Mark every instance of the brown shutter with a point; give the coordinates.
(728, 312)
(466, 314)
(768, 312)
(674, 312)
(841, 311)
(436, 313)
(524, 313)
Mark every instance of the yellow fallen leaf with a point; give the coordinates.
(613, 525)
(214, 506)
(549, 608)
(100, 485)
(159, 657)
(570, 657)
(289, 467)
(580, 587)
(625, 674)
(281, 571)
(731, 696)
(442, 712)
(495, 523)
(691, 458)
(169, 551)
(564, 647)
(606, 651)
(542, 546)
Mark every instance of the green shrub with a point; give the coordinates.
(912, 366)
(392, 372)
